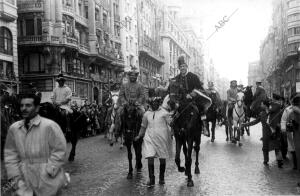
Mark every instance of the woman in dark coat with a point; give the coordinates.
(271, 141)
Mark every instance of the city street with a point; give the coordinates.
(225, 169)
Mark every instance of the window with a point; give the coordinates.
(39, 26)
(6, 41)
(33, 63)
(7, 70)
(82, 89)
(29, 27)
(86, 10)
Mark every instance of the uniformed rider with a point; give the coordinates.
(131, 92)
(192, 86)
(62, 95)
(231, 97)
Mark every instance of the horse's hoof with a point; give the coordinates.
(190, 183)
(111, 144)
(227, 139)
(121, 147)
(181, 169)
(197, 170)
(129, 176)
(212, 140)
(240, 144)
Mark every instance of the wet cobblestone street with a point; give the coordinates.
(225, 169)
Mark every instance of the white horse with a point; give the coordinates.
(238, 117)
(111, 131)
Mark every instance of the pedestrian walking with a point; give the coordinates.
(35, 151)
(270, 139)
(286, 128)
(157, 139)
(296, 127)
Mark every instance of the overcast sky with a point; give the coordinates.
(237, 43)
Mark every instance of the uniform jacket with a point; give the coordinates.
(231, 94)
(259, 96)
(36, 154)
(132, 92)
(189, 82)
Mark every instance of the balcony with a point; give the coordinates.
(37, 39)
(68, 10)
(70, 41)
(81, 20)
(84, 48)
(8, 76)
(30, 6)
(8, 11)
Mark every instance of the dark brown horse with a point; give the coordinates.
(78, 122)
(130, 126)
(187, 127)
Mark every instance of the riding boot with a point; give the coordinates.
(151, 181)
(162, 169)
(294, 160)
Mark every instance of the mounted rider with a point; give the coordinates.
(259, 96)
(131, 92)
(231, 97)
(215, 97)
(62, 95)
(193, 88)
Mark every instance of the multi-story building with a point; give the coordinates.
(8, 44)
(254, 73)
(129, 33)
(150, 51)
(78, 38)
(174, 41)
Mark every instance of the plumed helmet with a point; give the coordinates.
(210, 84)
(181, 60)
(133, 71)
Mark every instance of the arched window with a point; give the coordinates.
(6, 42)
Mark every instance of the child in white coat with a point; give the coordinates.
(157, 138)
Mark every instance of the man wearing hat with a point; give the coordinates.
(259, 96)
(231, 97)
(62, 95)
(213, 110)
(133, 91)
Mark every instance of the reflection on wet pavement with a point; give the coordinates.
(225, 169)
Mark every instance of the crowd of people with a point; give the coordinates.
(36, 164)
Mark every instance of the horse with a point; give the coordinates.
(248, 99)
(187, 125)
(78, 122)
(110, 120)
(238, 117)
(211, 116)
(130, 126)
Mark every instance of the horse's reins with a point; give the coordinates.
(185, 108)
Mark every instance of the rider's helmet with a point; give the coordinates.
(210, 85)
(133, 74)
(60, 78)
(233, 83)
(181, 60)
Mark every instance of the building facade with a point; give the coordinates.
(8, 44)
(151, 58)
(174, 42)
(129, 33)
(78, 38)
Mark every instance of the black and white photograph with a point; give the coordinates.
(150, 97)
